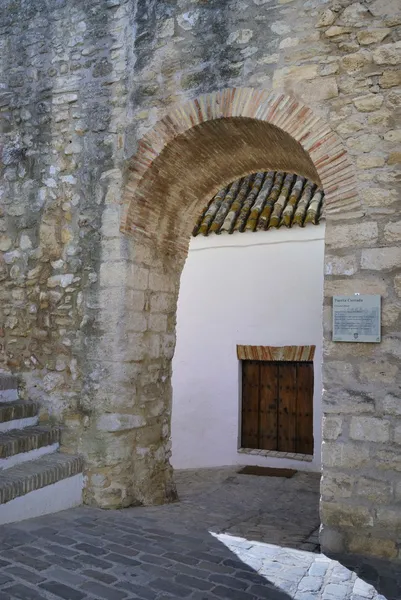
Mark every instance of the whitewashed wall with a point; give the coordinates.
(263, 288)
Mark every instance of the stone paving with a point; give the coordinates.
(231, 536)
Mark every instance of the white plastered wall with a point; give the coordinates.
(257, 288)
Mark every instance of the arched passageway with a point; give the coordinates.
(247, 367)
(189, 155)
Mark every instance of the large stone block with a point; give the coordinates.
(344, 455)
(352, 63)
(370, 162)
(321, 88)
(372, 35)
(338, 351)
(354, 14)
(138, 277)
(116, 299)
(158, 322)
(114, 274)
(397, 434)
(390, 518)
(122, 347)
(394, 158)
(381, 259)
(119, 422)
(367, 142)
(372, 545)
(387, 460)
(294, 73)
(392, 345)
(163, 302)
(369, 429)
(392, 405)
(346, 236)
(368, 103)
(394, 135)
(340, 401)
(168, 345)
(390, 79)
(332, 427)
(341, 265)
(375, 490)
(392, 231)
(390, 314)
(326, 18)
(388, 54)
(347, 287)
(377, 371)
(337, 30)
(136, 321)
(332, 540)
(345, 515)
(115, 248)
(163, 282)
(110, 449)
(339, 370)
(382, 8)
(111, 218)
(336, 485)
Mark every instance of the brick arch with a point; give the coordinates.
(188, 156)
(211, 140)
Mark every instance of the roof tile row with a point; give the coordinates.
(262, 201)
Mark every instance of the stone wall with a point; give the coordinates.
(62, 94)
(89, 316)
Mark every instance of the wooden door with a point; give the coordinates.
(250, 404)
(277, 406)
(304, 410)
(268, 390)
(287, 407)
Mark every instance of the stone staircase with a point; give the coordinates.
(35, 477)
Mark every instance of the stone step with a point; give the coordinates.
(17, 410)
(8, 388)
(25, 440)
(37, 474)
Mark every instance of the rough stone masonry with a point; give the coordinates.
(88, 315)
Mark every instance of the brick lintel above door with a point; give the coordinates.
(276, 353)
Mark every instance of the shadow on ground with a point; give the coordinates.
(382, 576)
(218, 542)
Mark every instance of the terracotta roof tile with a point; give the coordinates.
(262, 201)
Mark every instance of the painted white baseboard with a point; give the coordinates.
(64, 494)
(18, 424)
(17, 459)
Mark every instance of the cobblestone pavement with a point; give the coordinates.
(231, 536)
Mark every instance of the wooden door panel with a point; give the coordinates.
(277, 406)
(304, 443)
(268, 397)
(287, 407)
(250, 404)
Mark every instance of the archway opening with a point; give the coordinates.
(178, 168)
(246, 373)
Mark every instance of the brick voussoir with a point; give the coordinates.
(24, 440)
(10, 411)
(36, 474)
